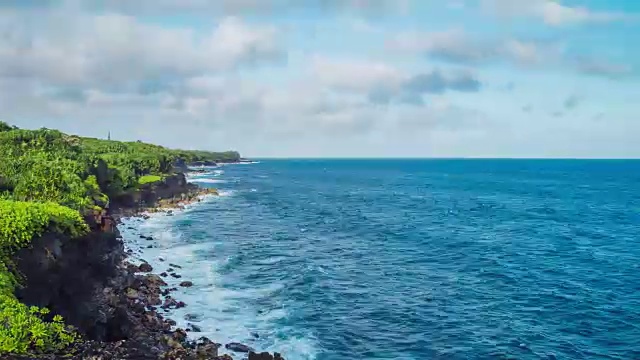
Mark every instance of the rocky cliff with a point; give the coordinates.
(112, 303)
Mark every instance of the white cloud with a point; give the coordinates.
(202, 7)
(456, 45)
(355, 74)
(119, 51)
(603, 68)
(188, 86)
(552, 12)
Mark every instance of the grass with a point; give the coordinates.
(148, 179)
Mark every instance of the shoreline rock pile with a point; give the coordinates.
(113, 303)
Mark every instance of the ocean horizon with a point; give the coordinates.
(452, 158)
(413, 259)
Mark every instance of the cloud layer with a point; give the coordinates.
(243, 74)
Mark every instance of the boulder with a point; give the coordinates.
(237, 347)
(264, 356)
(132, 293)
(145, 267)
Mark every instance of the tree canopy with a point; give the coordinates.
(48, 181)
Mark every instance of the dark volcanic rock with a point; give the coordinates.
(155, 280)
(193, 317)
(264, 356)
(207, 349)
(175, 266)
(237, 347)
(145, 267)
(186, 284)
(113, 307)
(175, 275)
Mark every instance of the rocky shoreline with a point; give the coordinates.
(114, 304)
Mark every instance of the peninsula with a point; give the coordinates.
(66, 288)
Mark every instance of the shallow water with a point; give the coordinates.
(404, 259)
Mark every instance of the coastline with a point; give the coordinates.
(130, 296)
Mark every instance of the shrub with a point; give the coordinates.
(22, 328)
(147, 179)
(48, 179)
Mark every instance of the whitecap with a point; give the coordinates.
(225, 312)
(207, 181)
(226, 192)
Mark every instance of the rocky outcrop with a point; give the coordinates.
(69, 276)
(112, 303)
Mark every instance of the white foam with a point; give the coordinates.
(226, 313)
(207, 181)
(226, 192)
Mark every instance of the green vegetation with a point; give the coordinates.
(148, 179)
(48, 182)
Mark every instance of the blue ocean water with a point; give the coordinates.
(414, 259)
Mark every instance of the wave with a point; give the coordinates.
(224, 308)
(241, 163)
(220, 308)
(207, 181)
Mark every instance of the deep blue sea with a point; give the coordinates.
(412, 259)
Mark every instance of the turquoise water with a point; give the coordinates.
(415, 259)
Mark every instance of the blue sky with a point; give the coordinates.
(334, 78)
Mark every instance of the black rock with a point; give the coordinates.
(264, 356)
(255, 335)
(176, 266)
(193, 317)
(164, 274)
(237, 347)
(186, 284)
(176, 275)
(195, 328)
(145, 267)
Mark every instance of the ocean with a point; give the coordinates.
(410, 259)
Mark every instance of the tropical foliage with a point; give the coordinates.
(48, 181)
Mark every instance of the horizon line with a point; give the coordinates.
(433, 158)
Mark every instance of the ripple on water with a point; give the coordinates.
(418, 259)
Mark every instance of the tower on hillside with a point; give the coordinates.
(109, 136)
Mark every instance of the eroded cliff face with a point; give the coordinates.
(172, 187)
(111, 302)
(71, 278)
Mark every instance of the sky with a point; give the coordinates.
(330, 78)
